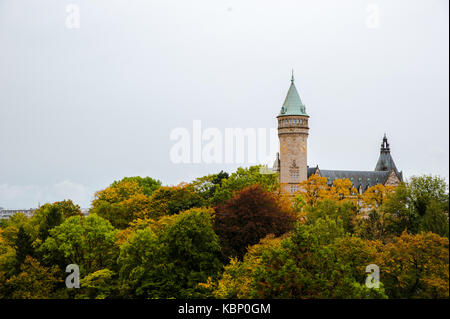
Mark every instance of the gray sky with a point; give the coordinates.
(82, 107)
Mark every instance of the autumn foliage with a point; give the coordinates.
(248, 217)
(234, 236)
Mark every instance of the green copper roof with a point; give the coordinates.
(292, 104)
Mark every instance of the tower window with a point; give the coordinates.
(294, 174)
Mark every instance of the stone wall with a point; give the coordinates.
(293, 135)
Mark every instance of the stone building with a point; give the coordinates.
(291, 161)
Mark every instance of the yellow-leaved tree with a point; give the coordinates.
(376, 195)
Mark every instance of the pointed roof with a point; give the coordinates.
(276, 164)
(293, 104)
(385, 161)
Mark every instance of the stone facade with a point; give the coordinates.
(393, 179)
(293, 135)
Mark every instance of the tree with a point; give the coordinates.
(117, 192)
(172, 200)
(306, 264)
(345, 210)
(376, 195)
(125, 200)
(424, 189)
(398, 213)
(248, 217)
(52, 217)
(193, 250)
(100, 284)
(49, 216)
(23, 246)
(87, 242)
(357, 254)
(416, 266)
(206, 186)
(436, 219)
(8, 264)
(34, 281)
(13, 224)
(237, 278)
(68, 208)
(342, 189)
(172, 263)
(315, 188)
(147, 184)
(374, 226)
(244, 177)
(116, 213)
(421, 205)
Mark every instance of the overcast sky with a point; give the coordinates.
(82, 107)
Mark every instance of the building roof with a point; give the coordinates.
(363, 179)
(276, 164)
(292, 105)
(312, 170)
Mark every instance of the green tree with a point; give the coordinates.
(244, 177)
(87, 242)
(100, 284)
(424, 189)
(390, 219)
(23, 246)
(420, 205)
(206, 186)
(53, 217)
(173, 263)
(147, 184)
(173, 200)
(345, 210)
(49, 216)
(307, 264)
(436, 219)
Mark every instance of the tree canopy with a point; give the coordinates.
(234, 236)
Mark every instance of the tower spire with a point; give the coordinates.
(293, 105)
(385, 161)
